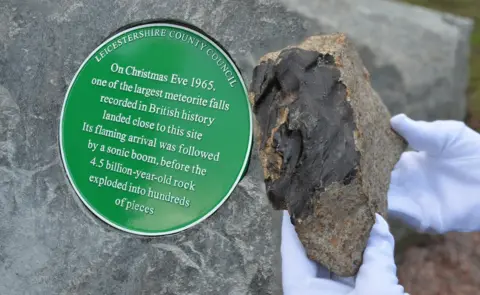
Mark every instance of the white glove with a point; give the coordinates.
(376, 276)
(437, 187)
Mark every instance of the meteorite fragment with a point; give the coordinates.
(326, 146)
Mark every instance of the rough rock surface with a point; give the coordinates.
(50, 245)
(326, 146)
(416, 56)
(442, 265)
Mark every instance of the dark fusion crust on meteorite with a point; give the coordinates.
(307, 128)
(334, 195)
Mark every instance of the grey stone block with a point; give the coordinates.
(49, 244)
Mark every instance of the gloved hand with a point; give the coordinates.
(437, 187)
(376, 276)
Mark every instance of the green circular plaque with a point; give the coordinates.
(156, 129)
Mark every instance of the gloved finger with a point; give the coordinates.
(421, 135)
(406, 209)
(403, 203)
(409, 161)
(348, 281)
(296, 267)
(378, 271)
(315, 286)
(322, 272)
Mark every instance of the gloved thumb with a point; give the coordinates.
(377, 274)
(430, 137)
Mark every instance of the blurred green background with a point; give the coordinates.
(471, 9)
